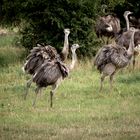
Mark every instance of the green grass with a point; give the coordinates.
(9, 52)
(80, 111)
(6, 40)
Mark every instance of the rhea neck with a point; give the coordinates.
(127, 21)
(66, 46)
(74, 59)
(130, 50)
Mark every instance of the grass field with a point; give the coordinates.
(80, 111)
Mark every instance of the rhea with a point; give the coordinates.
(51, 73)
(108, 26)
(111, 58)
(125, 37)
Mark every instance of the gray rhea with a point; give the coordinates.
(108, 26)
(124, 38)
(52, 73)
(111, 58)
(41, 54)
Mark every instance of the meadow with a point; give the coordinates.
(80, 111)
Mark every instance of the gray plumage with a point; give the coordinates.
(42, 54)
(110, 58)
(51, 73)
(37, 57)
(111, 54)
(107, 26)
(124, 38)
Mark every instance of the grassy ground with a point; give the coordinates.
(80, 111)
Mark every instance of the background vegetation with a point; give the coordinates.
(43, 21)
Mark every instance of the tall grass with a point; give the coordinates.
(6, 40)
(80, 111)
(9, 52)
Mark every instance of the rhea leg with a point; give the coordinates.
(54, 88)
(37, 90)
(102, 79)
(111, 81)
(109, 70)
(29, 82)
(52, 92)
(134, 61)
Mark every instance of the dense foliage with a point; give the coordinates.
(43, 21)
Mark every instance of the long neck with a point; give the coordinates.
(65, 50)
(74, 59)
(127, 22)
(130, 50)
